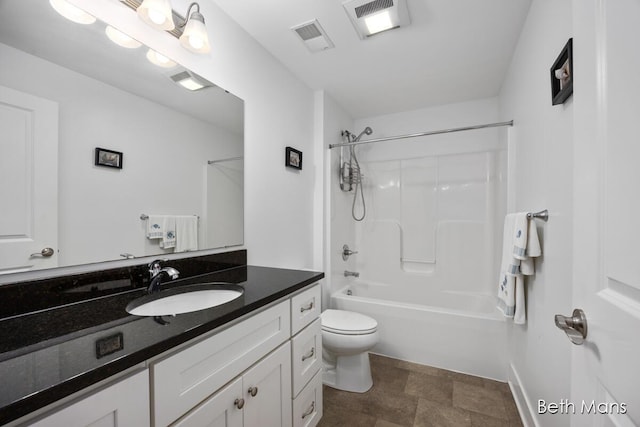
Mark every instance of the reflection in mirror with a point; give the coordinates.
(67, 89)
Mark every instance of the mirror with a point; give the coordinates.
(166, 151)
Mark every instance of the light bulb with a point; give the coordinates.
(160, 60)
(71, 12)
(121, 39)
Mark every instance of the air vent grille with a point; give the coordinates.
(308, 32)
(313, 36)
(372, 7)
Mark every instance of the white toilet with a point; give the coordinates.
(346, 339)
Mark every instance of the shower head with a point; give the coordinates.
(366, 130)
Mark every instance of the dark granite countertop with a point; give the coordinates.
(51, 352)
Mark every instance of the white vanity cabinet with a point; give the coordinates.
(184, 379)
(306, 357)
(125, 403)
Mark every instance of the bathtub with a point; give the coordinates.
(458, 331)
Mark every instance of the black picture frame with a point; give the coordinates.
(562, 75)
(108, 158)
(293, 158)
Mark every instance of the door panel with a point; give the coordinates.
(607, 257)
(28, 180)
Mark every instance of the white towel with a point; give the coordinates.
(169, 232)
(186, 233)
(154, 226)
(520, 244)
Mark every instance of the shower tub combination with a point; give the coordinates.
(459, 332)
(427, 251)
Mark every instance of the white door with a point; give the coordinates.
(606, 369)
(267, 388)
(28, 182)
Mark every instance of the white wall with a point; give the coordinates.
(278, 112)
(337, 222)
(541, 165)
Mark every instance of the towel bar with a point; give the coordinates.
(145, 216)
(543, 215)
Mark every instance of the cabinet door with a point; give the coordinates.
(126, 403)
(223, 409)
(267, 391)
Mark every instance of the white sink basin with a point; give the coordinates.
(184, 299)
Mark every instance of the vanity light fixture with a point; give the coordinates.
(190, 80)
(190, 30)
(195, 37)
(160, 60)
(121, 39)
(71, 12)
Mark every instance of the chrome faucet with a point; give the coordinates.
(158, 273)
(351, 273)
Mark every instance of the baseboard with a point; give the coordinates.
(522, 400)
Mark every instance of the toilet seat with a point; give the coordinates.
(344, 322)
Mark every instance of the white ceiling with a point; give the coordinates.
(453, 50)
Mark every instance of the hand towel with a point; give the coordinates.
(186, 233)
(520, 244)
(520, 231)
(154, 226)
(169, 236)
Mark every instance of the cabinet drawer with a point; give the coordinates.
(305, 308)
(307, 407)
(306, 355)
(185, 379)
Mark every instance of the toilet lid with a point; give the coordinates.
(347, 322)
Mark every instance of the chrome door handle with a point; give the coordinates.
(575, 326)
(46, 252)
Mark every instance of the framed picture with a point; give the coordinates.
(562, 75)
(108, 158)
(293, 158)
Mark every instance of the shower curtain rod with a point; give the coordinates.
(415, 135)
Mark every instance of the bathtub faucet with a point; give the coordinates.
(351, 273)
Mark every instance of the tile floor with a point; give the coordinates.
(407, 394)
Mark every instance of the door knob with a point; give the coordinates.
(46, 252)
(239, 403)
(574, 326)
(253, 391)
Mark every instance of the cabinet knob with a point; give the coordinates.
(253, 391)
(239, 403)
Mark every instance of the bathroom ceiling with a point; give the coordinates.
(453, 50)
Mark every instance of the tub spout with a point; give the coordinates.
(351, 273)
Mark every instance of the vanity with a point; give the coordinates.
(254, 361)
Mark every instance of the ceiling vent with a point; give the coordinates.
(313, 36)
(373, 17)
